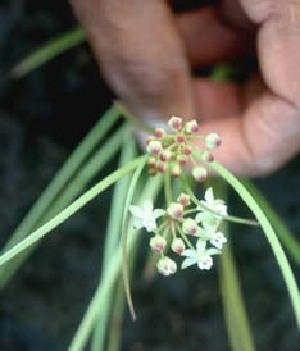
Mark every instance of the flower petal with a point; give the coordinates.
(159, 212)
(209, 196)
(188, 262)
(200, 246)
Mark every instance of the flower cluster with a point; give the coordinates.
(174, 151)
(188, 228)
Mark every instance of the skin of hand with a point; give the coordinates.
(146, 52)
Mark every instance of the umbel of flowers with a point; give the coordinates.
(174, 151)
(189, 229)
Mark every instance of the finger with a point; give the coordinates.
(140, 54)
(209, 39)
(259, 140)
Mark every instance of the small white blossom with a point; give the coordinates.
(175, 123)
(145, 216)
(154, 147)
(192, 126)
(199, 173)
(158, 243)
(166, 266)
(189, 226)
(212, 141)
(217, 206)
(175, 210)
(200, 256)
(178, 246)
(218, 239)
(184, 199)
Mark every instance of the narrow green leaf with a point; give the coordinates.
(48, 51)
(279, 254)
(104, 288)
(287, 238)
(69, 211)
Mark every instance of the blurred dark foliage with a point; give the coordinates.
(42, 117)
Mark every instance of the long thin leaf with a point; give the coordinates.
(278, 252)
(287, 238)
(104, 288)
(65, 197)
(69, 211)
(48, 51)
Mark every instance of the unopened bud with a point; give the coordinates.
(212, 141)
(182, 160)
(180, 138)
(152, 171)
(165, 155)
(184, 199)
(158, 243)
(189, 226)
(178, 246)
(175, 123)
(199, 173)
(166, 266)
(159, 133)
(154, 147)
(161, 166)
(151, 162)
(176, 171)
(187, 150)
(192, 126)
(175, 210)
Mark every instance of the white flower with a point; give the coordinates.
(199, 173)
(175, 210)
(166, 266)
(158, 243)
(218, 239)
(212, 141)
(145, 216)
(217, 206)
(200, 256)
(189, 226)
(178, 246)
(208, 220)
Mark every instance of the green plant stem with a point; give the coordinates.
(69, 211)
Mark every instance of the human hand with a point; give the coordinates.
(145, 52)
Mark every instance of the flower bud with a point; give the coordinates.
(165, 155)
(190, 226)
(175, 123)
(151, 162)
(149, 138)
(199, 173)
(176, 171)
(180, 138)
(187, 150)
(159, 133)
(182, 160)
(175, 210)
(178, 246)
(154, 147)
(192, 126)
(158, 243)
(207, 156)
(152, 171)
(166, 266)
(184, 199)
(212, 141)
(161, 166)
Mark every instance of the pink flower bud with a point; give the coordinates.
(187, 150)
(175, 210)
(161, 166)
(182, 160)
(154, 147)
(207, 156)
(158, 243)
(159, 133)
(184, 199)
(165, 155)
(192, 126)
(149, 138)
(151, 162)
(190, 226)
(175, 123)
(166, 266)
(178, 246)
(180, 138)
(199, 173)
(212, 141)
(176, 171)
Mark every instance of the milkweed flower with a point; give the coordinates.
(145, 216)
(166, 266)
(201, 257)
(217, 206)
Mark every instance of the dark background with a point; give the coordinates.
(42, 118)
